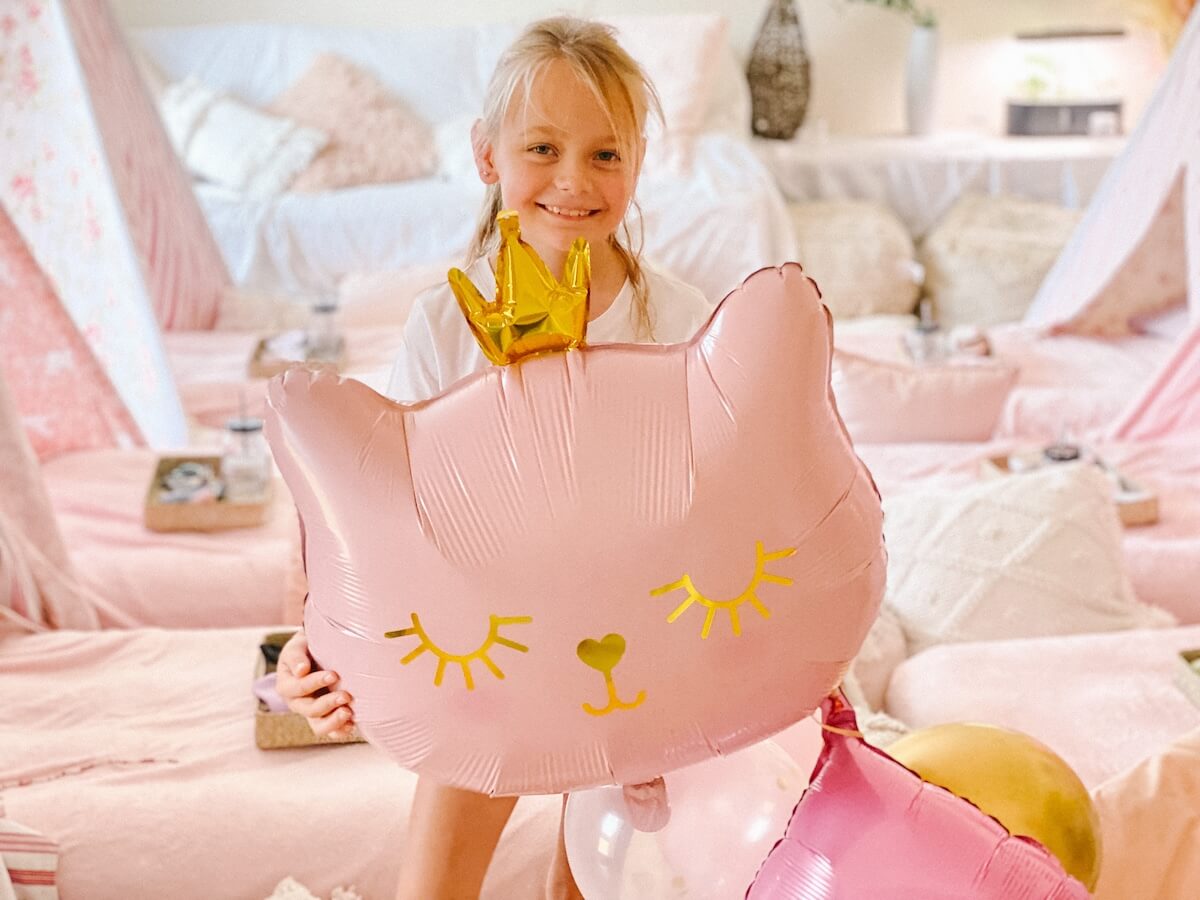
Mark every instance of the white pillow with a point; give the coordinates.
(1028, 555)
(229, 143)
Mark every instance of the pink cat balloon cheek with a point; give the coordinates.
(593, 566)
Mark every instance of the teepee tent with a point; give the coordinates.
(89, 179)
(1137, 251)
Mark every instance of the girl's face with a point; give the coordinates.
(559, 164)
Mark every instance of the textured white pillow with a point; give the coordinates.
(986, 259)
(222, 140)
(1029, 555)
(859, 254)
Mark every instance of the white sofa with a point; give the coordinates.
(712, 212)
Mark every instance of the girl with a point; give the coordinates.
(561, 142)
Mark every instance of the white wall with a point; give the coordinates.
(857, 51)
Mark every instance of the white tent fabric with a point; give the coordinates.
(88, 177)
(1139, 244)
(1140, 239)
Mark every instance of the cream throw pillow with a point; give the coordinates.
(987, 258)
(227, 142)
(375, 138)
(1028, 555)
(859, 254)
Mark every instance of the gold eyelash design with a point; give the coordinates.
(730, 606)
(481, 653)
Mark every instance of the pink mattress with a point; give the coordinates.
(250, 576)
(135, 751)
(1104, 702)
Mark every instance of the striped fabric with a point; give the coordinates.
(181, 263)
(30, 864)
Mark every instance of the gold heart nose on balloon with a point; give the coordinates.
(533, 312)
(603, 656)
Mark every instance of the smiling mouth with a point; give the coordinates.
(564, 212)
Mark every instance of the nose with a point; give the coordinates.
(573, 177)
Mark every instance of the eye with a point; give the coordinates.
(464, 659)
(608, 156)
(730, 606)
(541, 149)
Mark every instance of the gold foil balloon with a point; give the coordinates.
(1015, 779)
(533, 311)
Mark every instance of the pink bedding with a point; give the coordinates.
(135, 751)
(1069, 384)
(136, 577)
(1102, 701)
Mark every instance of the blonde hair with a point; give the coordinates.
(618, 82)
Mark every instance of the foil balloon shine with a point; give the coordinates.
(1015, 779)
(533, 311)
(868, 827)
(590, 567)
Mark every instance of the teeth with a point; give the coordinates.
(576, 213)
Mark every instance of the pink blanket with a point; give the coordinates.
(134, 750)
(174, 580)
(1102, 701)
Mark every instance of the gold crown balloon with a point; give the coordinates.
(533, 312)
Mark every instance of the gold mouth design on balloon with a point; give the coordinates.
(749, 595)
(603, 656)
(464, 659)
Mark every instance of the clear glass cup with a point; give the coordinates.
(322, 338)
(245, 460)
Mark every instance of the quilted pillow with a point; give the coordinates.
(860, 254)
(375, 138)
(1026, 556)
(987, 258)
(227, 142)
(896, 403)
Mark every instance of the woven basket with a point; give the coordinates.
(778, 73)
(281, 730)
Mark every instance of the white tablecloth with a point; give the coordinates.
(921, 177)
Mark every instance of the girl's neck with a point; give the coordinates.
(608, 274)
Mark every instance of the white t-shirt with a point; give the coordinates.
(438, 348)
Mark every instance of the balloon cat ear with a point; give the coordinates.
(318, 423)
(770, 341)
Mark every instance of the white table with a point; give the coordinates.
(921, 177)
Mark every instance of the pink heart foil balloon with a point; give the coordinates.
(868, 827)
(589, 567)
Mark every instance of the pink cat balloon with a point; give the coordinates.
(868, 827)
(592, 566)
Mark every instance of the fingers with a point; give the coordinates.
(312, 694)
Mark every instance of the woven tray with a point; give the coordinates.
(1187, 676)
(217, 515)
(1135, 505)
(284, 730)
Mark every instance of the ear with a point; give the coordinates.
(482, 150)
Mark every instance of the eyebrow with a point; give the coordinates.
(552, 131)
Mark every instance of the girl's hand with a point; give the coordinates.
(313, 695)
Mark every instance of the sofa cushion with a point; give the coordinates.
(374, 137)
(232, 144)
(986, 259)
(860, 255)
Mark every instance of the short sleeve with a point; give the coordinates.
(415, 373)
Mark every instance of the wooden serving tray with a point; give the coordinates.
(217, 515)
(264, 364)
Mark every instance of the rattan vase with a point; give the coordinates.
(778, 73)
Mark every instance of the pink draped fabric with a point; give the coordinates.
(182, 265)
(37, 589)
(1171, 404)
(62, 396)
